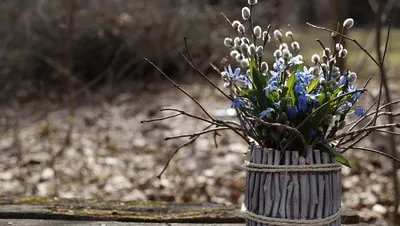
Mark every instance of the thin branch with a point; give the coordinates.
(371, 128)
(348, 38)
(374, 151)
(278, 125)
(192, 135)
(161, 118)
(189, 115)
(180, 88)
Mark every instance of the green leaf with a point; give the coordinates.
(313, 84)
(335, 154)
(290, 88)
(259, 84)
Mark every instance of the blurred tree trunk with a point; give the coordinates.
(339, 14)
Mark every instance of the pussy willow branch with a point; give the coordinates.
(192, 135)
(348, 38)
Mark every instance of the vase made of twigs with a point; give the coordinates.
(289, 188)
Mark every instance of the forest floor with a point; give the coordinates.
(112, 156)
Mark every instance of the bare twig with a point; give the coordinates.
(161, 118)
(192, 135)
(179, 88)
(374, 151)
(370, 128)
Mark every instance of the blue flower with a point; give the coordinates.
(359, 111)
(313, 133)
(302, 102)
(269, 89)
(356, 96)
(233, 74)
(293, 112)
(267, 113)
(295, 60)
(347, 105)
(300, 88)
(342, 80)
(351, 88)
(237, 103)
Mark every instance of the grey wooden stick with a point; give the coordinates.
(327, 195)
(285, 178)
(296, 187)
(268, 185)
(261, 202)
(321, 186)
(257, 187)
(304, 191)
(313, 185)
(277, 189)
(289, 206)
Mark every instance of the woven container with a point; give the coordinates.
(283, 188)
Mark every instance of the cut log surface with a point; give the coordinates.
(42, 211)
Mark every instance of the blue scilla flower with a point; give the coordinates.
(300, 88)
(293, 112)
(232, 73)
(351, 88)
(347, 105)
(267, 113)
(356, 96)
(277, 104)
(302, 102)
(275, 77)
(296, 60)
(305, 76)
(342, 80)
(269, 89)
(239, 103)
(359, 111)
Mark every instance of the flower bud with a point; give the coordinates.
(338, 47)
(234, 53)
(237, 41)
(266, 35)
(286, 54)
(315, 58)
(260, 50)
(264, 66)
(244, 63)
(252, 50)
(283, 46)
(300, 57)
(239, 57)
(245, 40)
(289, 34)
(244, 48)
(241, 29)
(322, 81)
(326, 52)
(252, 2)
(278, 34)
(228, 42)
(333, 34)
(257, 31)
(324, 67)
(235, 24)
(348, 23)
(343, 53)
(277, 53)
(295, 46)
(245, 13)
(352, 77)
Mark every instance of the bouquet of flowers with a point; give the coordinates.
(295, 104)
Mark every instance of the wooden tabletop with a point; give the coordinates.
(43, 211)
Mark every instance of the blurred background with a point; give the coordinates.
(74, 88)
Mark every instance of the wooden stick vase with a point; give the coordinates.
(284, 188)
